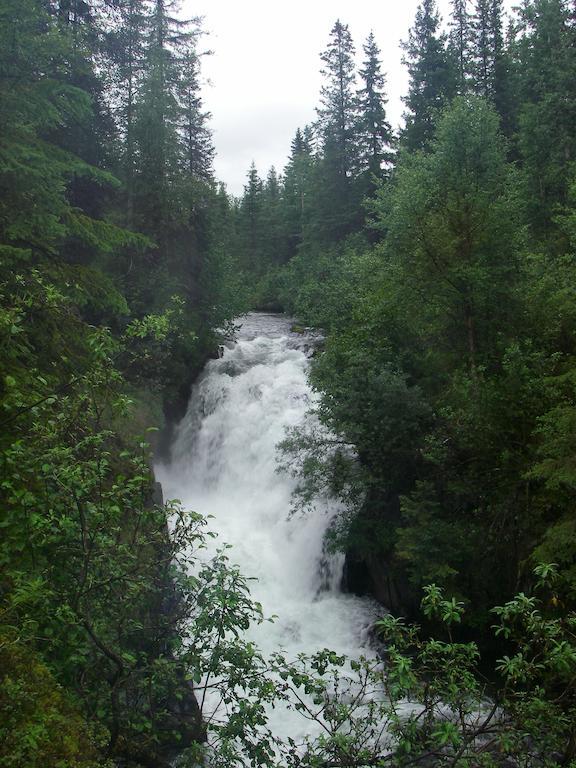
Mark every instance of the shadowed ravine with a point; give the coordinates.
(225, 464)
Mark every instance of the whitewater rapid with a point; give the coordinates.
(225, 464)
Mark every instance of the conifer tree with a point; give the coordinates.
(169, 78)
(460, 42)
(337, 125)
(127, 52)
(483, 49)
(338, 103)
(297, 189)
(488, 48)
(431, 76)
(546, 63)
(42, 118)
(156, 127)
(490, 61)
(196, 137)
(250, 222)
(275, 250)
(501, 68)
(375, 133)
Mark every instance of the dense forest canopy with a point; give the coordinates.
(440, 262)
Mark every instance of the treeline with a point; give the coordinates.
(114, 273)
(340, 160)
(441, 262)
(333, 165)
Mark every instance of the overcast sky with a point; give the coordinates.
(263, 79)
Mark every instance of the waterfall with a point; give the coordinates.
(225, 465)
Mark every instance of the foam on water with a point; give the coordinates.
(225, 464)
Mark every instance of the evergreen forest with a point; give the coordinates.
(438, 260)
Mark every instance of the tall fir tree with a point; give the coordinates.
(460, 39)
(297, 189)
(546, 63)
(374, 132)
(127, 51)
(156, 128)
(337, 125)
(490, 60)
(275, 249)
(170, 127)
(483, 49)
(338, 104)
(432, 82)
(502, 97)
(195, 135)
(250, 223)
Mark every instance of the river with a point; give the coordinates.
(225, 464)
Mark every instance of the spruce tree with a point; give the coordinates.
(50, 194)
(375, 133)
(297, 190)
(126, 48)
(338, 103)
(275, 248)
(431, 76)
(337, 125)
(167, 78)
(483, 49)
(460, 42)
(156, 128)
(546, 62)
(195, 136)
(490, 60)
(250, 222)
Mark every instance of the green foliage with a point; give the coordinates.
(544, 54)
(426, 699)
(453, 223)
(94, 597)
(445, 421)
(305, 214)
(431, 546)
(39, 724)
(376, 136)
(446, 382)
(325, 289)
(432, 81)
(124, 613)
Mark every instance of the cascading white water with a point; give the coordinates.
(225, 464)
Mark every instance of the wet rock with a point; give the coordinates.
(381, 580)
